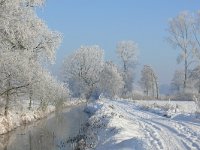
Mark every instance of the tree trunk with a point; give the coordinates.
(30, 103)
(185, 76)
(147, 92)
(7, 99)
(7, 104)
(157, 91)
(125, 78)
(156, 84)
(30, 100)
(153, 90)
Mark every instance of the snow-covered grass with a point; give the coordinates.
(182, 106)
(17, 117)
(126, 125)
(187, 110)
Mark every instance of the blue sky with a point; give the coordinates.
(105, 22)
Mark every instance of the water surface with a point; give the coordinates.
(51, 133)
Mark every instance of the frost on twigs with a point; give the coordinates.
(81, 70)
(26, 46)
(127, 53)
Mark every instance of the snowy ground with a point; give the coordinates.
(125, 125)
(182, 106)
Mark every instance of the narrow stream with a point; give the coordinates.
(51, 133)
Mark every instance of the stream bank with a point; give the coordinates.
(49, 133)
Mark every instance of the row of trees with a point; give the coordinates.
(26, 44)
(88, 74)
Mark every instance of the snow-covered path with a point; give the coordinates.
(139, 129)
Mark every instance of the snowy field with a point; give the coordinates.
(125, 125)
(182, 106)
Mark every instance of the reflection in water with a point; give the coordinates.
(51, 133)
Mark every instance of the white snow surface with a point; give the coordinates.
(124, 125)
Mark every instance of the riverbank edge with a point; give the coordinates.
(15, 120)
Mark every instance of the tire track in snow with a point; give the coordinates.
(183, 133)
(152, 136)
(160, 132)
(154, 141)
(174, 132)
(165, 138)
(177, 136)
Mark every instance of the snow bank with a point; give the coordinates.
(109, 129)
(17, 118)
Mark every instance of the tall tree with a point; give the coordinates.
(127, 52)
(196, 33)
(25, 42)
(181, 36)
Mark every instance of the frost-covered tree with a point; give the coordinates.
(177, 81)
(25, 44)
(181, 36)
(45, 89)
(149, 81)
(15, 76)
(111, 81)
(48, 90)
(145, 81)
(82, 69)
(127, 52)
(196, 33)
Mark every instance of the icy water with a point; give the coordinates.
(51, 133)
